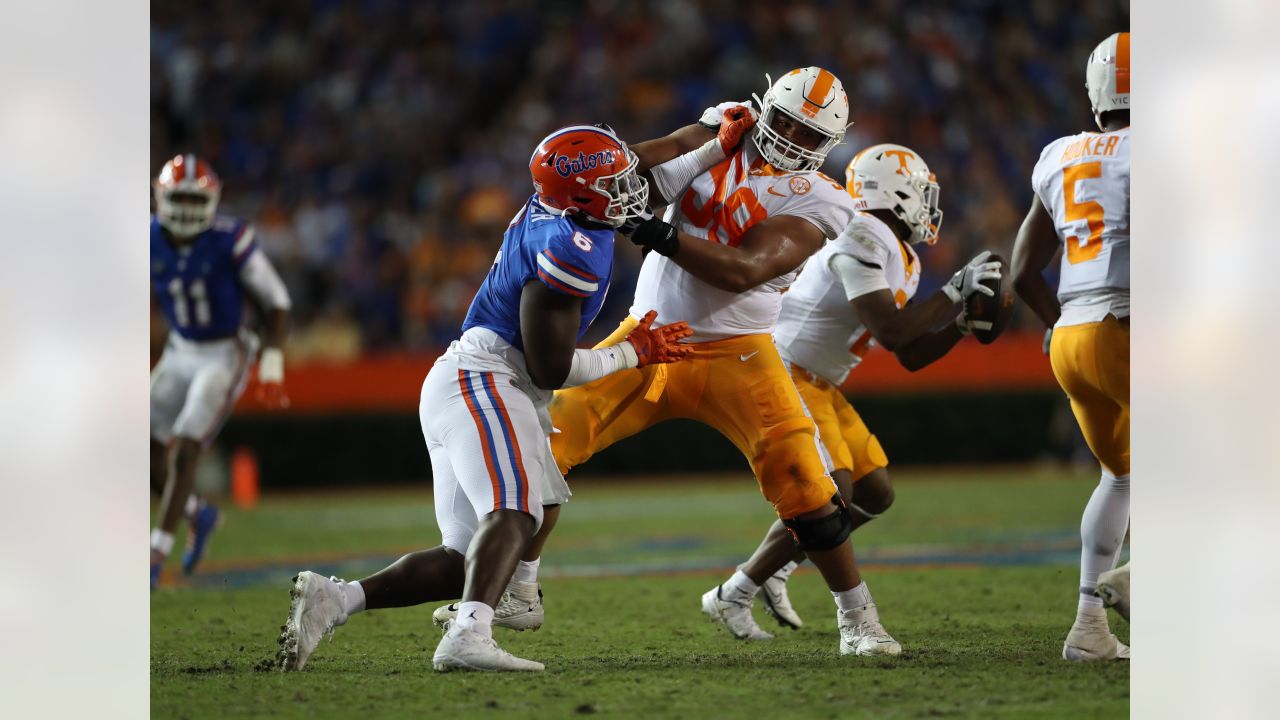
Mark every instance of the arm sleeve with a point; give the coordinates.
(263, 282)
(591, 365)
(673, 176)
(566, 265)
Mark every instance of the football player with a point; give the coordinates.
(852, 294)
(484, 403)
(733, 241)
(1081, 205)
(203, 265)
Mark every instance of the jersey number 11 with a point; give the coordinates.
(183, 301)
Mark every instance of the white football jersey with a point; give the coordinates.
(720, 206)
(1083, 181)
(818, 329)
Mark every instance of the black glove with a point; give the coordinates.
(656, 235)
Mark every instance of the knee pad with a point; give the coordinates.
(822, 533)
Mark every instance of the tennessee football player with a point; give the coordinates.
(1081, 205)
(852, 295)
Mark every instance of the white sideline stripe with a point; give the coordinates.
(565, 277)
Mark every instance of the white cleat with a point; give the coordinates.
(862, 634)
(1090, 639)
(1113, 588)
(519, 609)
(778, 604)
(736, 616)
(462, 649)
(315, 609)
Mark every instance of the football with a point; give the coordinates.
(988, 316)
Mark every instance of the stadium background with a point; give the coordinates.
(380, 149)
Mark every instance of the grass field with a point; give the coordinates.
(974, 574)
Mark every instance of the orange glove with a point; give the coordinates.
(659, 345)
(734, 126)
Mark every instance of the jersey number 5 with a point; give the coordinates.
(1078, 250)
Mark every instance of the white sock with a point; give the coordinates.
(527, 571)
(1102, 529)
(475, 616)
(161, 541)
(193, 504)
(739, 588)
(786, 570)
(853, 598)
(352, 596)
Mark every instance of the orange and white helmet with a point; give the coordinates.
(187, 192)
(895, 178)
(811, 96)
(1106, 75)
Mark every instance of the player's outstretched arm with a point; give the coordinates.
(923, 351)
(671, 163)
(772, 247)
(659, 150)
(900, 331)
(1033, 250)
(259, 276)
(549, 326)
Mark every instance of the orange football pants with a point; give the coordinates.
(1091, 362)
(738, 386)
(847, 438)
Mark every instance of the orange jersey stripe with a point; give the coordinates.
(480, 430)
(515, 442)
(1122, 63)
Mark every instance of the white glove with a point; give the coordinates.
(271, 366)
(968, 279)
(1048, 341)
(711, 116)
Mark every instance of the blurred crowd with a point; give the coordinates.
(381, 146)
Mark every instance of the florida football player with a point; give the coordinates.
(203, 266)
(1081, 205)
(731, 244)
(851, 295)
(484, 403)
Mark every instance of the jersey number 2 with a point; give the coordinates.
(182, 302)
(1078, 250)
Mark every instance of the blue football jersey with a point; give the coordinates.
(553, 249)
(198, 286)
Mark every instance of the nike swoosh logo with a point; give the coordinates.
(771, 192)
(748, 356)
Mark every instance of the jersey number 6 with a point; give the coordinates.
(1078, 250)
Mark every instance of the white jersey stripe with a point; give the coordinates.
(577, 284)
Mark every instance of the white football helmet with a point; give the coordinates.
(895, 178)
(811, 96)
(187, 192)
(1106, 75)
